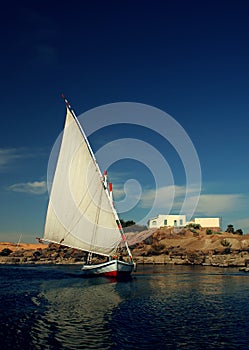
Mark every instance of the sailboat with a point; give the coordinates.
(81, 213)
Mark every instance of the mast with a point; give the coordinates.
(103, 179)
(20, 237)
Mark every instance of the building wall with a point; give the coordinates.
(208, 222)
(167, 220)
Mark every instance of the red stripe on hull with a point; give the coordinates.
(117, 274)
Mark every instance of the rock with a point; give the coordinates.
(162, 246)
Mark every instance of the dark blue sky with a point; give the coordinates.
(189, 59)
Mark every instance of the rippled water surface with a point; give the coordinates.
(161, 307)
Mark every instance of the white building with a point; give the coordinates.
(167, 220)
(180, 221)
(208, 222)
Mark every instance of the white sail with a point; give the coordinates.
(80, 214)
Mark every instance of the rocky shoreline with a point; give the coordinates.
(162, 246)
(38, 254)
(238, 259)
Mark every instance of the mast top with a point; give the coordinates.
(66, 102)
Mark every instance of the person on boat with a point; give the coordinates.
(121, 258)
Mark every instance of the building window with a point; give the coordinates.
(154, 223)
(175, 222)
(165, 223)
(181, 222)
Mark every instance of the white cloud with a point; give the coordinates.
(218, 204)
(9, 155)
(128, 197)
(165, 194)
(231, 207)
(172, 198)
(36, 187)
(12, 157)
(209, 204)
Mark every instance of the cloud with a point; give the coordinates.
(209, 204)
(36, 187)
(218, 204)
(172, 198)
(165, 194)
(128, 197)
(9, 155)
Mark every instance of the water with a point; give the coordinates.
(161, 307)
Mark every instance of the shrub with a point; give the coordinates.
(225, 243)
(194, 226)
(5, 252)
(127, 223)
(230, 229)
(211, 232)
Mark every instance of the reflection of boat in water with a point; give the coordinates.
(75, 313)
(80, 212)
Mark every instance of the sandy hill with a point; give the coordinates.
(22, 246)
(168, 239)
(163, 240)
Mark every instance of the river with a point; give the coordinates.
(161, 307)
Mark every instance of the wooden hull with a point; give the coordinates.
(113, 268)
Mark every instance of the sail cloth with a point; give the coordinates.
(79, 212)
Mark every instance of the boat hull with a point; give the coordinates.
(113, 268)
